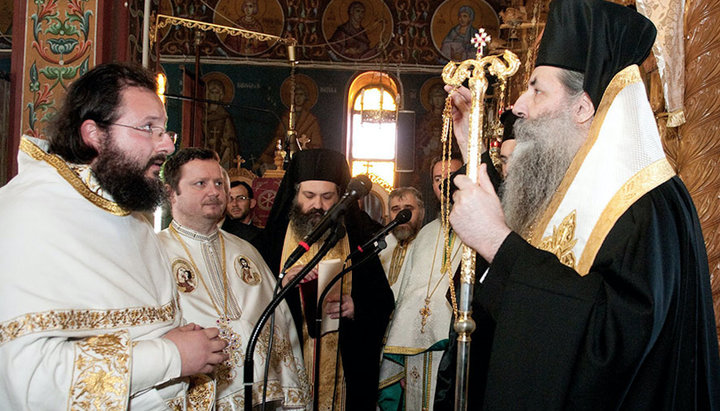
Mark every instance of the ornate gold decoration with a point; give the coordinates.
(66, 172)
(101, 376)
(163, 20)
(85, 319)
(639, 185)
(380, 181)
(201, 393)
(224, 321)
(176, 404)
(455, 75)
(239, 173)
(282, 355)
(424, 314)
(562, 240)
(396, 262)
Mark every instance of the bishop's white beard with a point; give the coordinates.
(545, 148)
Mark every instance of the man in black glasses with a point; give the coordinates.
(238, 215)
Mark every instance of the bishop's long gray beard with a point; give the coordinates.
(545, 148)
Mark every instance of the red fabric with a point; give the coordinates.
(264, 189)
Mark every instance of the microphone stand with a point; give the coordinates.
(338, 231)
(318, 317)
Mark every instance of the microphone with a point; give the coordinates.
(357, 187)
(401, 218)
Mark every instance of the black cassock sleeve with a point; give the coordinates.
(361, 337)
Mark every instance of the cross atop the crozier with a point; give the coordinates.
(480, 40)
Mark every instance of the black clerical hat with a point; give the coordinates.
(316, 164)
(319, 164)
(594, 37)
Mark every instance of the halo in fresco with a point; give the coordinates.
(428, 85)
(228, 86)
(455, 22)
(301, 80)
(261, 16)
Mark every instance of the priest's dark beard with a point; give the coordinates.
(303, 223)
(545, 148)
(125, 180)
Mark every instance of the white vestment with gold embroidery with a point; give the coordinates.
(623, 129)
(421, 278)
(250, 291)
(386, 256)
(85, 296)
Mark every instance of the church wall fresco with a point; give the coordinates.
(397, 34)
(60, 46)
(397, 31)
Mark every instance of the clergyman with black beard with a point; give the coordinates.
(133, 185)
(312, 185)
(85, 252)
(304, 220)
(597, 291)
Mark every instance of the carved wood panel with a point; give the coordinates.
(697, 149)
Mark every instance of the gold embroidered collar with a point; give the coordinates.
(79, 176)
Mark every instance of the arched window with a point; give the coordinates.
(373, 106)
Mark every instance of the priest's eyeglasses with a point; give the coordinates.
(156, 132)
(238, 198)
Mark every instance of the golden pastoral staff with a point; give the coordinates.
(455, 74)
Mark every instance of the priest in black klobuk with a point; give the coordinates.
(352, 381)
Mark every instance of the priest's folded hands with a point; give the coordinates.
(201, 349)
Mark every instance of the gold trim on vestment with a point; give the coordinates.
(85, 320)
(201, 393)
(329, 341)
(427, 379)
(291, 397)
(397, 260)
(391, 380)
(101, 372)
(389, 349)
(176, 404)
(562, 240)
(640, 184)
(624, 78)
(65, 172)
